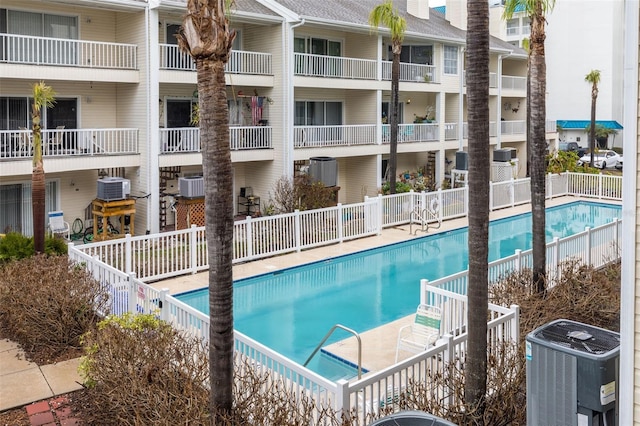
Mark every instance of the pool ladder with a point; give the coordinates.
(348, 330)
(425, 217)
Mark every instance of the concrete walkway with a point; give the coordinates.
(23, 382)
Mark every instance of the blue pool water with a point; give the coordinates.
(290, 311)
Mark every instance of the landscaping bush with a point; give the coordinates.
(140, 370)
(46, 304)
(15, 246)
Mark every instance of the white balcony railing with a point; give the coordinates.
(187, 139)
(68, 53)
(15, 144)
(335, 66)
(240, 62)
(513, 31)
(515, 127)
(344, 135)
(514, 83)
(493, 130)
(419, 132)
(551, 126)
(450, 131)
(493, 79)
(411, 72)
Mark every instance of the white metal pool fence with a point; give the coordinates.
(159, 256)
(361, 398)
(113, 264)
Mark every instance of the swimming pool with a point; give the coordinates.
(291, 310)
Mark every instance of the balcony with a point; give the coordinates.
(335, 67)
(417, 73)
(493, 79)
(419, 132)
(187, 139)
(514, 83)
(338, 135)
(18, 144)
(240, 62)
(21, 49)
(514, 127)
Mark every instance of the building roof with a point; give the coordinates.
(582, 124)
(355, 15)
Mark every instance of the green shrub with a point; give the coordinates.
(15, 246)
(47, 303)
(55, 246)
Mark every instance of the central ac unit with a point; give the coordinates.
(324, 169)
(113, 188)
(502, 155)
(191, 187)
(572, 375)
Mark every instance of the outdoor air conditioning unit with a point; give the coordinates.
(191, 187)
(323, 169)
(572, 375)
(502, 155)
(462, 160)
(113, 188)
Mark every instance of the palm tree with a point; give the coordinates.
(386, 15)
(477, 71)
(536, 138)
(594, 78)
(43, 97)
(205, 35)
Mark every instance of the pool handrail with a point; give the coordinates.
(329, 333)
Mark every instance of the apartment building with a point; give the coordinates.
(596, 25)
(306, 80)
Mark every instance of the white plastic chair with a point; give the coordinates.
(57, 225)
(422, 333)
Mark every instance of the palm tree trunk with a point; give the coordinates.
(538, 148)
(38, 206)
(592, 129)
(393, 119)
(478, 118)
(37, 186)
(216, 165)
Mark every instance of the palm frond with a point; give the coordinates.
(43, 96)
(385, 14)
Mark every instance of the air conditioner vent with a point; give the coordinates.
(191, 187)
(579, 337)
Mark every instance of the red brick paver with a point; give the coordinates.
(52, 412)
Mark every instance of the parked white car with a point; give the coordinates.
(619, 165)
(603, 159)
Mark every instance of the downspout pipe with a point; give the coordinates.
(461, 102)
(628, 290)
(289, 107)
(499, 114)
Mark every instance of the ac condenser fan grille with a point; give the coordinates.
(579, 337)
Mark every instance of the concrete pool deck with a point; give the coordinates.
(378, 344)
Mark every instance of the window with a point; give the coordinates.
(40, 25)
(14, 113)
(318, 113)
(450, 60)
(415, 55)
(315, 66)
(513, 26)
(317, 46)
(15, 206)
(526, 25)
